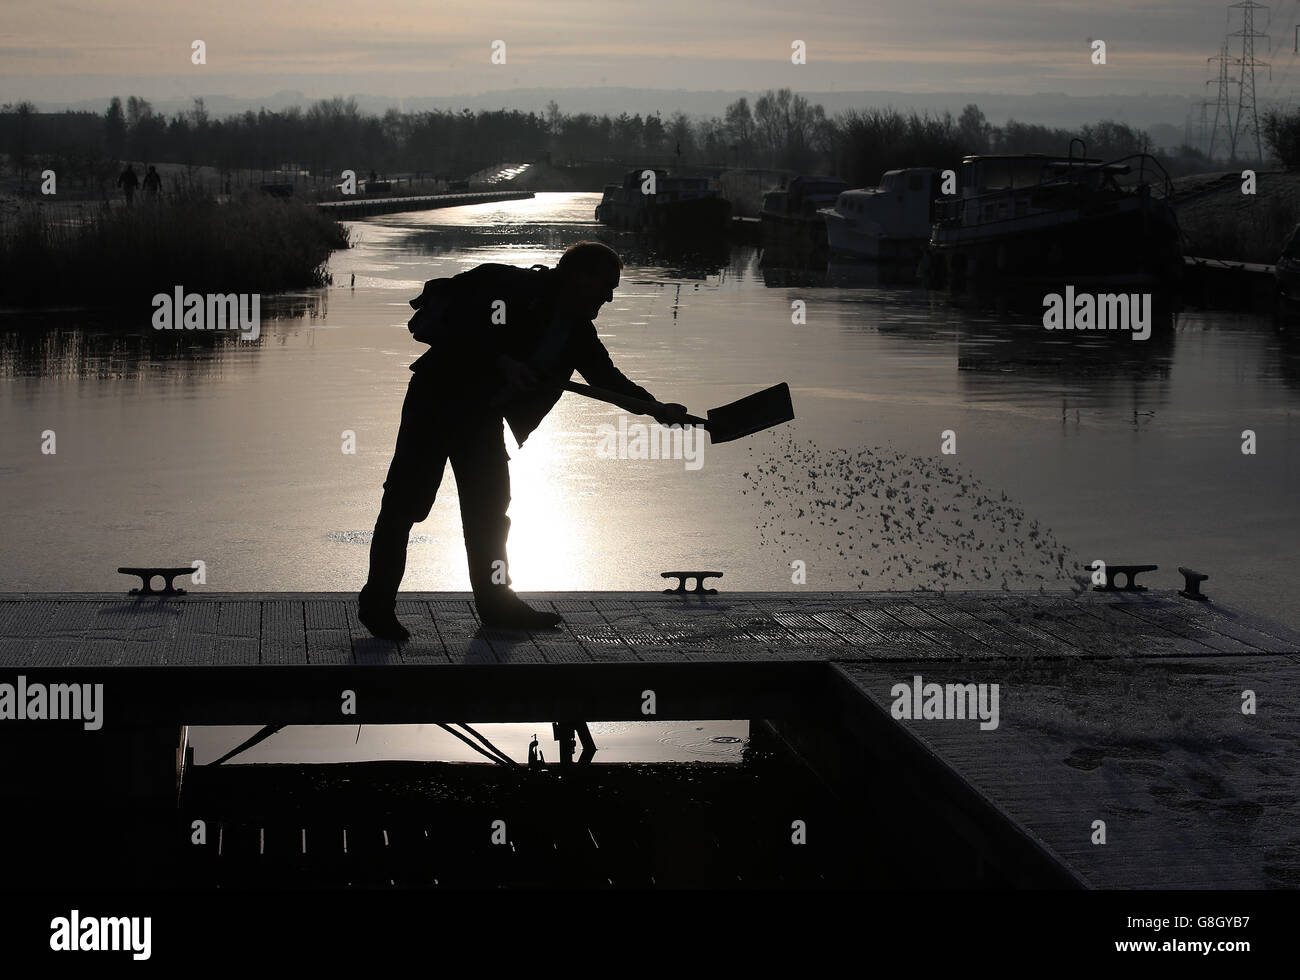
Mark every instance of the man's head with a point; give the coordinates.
(589, 273)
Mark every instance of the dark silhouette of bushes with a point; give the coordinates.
(1281, 133)
(99, 256)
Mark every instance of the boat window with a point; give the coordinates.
(995, 175)
(1028, 172)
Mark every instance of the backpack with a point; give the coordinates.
(465, 301)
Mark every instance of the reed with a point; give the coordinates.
(1237, 228)
(99, 256)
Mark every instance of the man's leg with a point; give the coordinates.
(409, 491)
(483, 483)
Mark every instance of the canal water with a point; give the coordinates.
(1069, 448)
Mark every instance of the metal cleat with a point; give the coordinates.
(147, 576)
(1130, 573)
(699, 582)
(1192, 584)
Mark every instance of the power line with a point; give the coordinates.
(1247, 111)
(1277, 89)
(1222, 106)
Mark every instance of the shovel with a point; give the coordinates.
(751, 414)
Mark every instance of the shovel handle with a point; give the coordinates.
(638, 405)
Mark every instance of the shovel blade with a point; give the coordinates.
(751, 414)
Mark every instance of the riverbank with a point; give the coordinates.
(95, 255)
(351, 209)
(1219, 221)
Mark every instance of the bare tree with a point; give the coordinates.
(739, 129)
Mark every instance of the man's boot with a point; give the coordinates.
(511, 612)
(376, 605)
(380, 617)
(498, 605)
(484, 499)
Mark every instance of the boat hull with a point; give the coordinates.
(794, 237)
(1134, 239)
(846, 241)
(703, 216)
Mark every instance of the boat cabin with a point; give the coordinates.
(985, 174)
(997, 187)
(803, 196)
(682, 188)
(632, 180)
(901, 206)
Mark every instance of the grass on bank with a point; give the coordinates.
(1227, 224)
(94, 255)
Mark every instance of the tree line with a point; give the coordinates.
(780, 129)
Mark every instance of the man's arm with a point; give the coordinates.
(597, 368)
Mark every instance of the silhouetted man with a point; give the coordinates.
(152, 182)
(453, 411)
(128, 181)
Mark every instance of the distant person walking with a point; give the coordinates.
(128, 181)
(152, 183)
(453, 412)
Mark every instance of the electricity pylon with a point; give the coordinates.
(1246, 111)
(1222, 106)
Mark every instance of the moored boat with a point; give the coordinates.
(1023, 218)
(679, 205)
(791, 215)
(890, 222)
(1286, 273)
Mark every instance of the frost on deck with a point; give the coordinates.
(322, 628)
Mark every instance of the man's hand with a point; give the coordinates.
(669, 413)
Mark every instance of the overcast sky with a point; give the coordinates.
(69, 51)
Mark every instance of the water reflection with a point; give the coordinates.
(1285, 348)
(782, 276)
(870, 275)
(838, 273)
(97, 344)
(1020, 344)
(878, 363)
(679, 259)
(617, 742)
